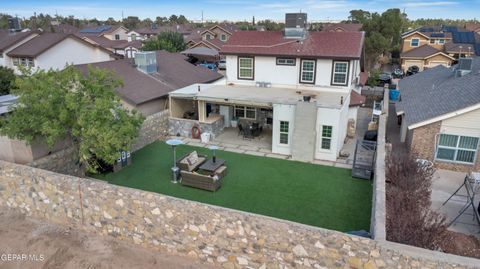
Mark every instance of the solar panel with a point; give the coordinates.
(97, 30)
(463, 37)
(437, 35)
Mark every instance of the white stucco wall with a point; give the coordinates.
(70, 51)
(338, 119)
(266, 69)
(282, 113)
(120, 31)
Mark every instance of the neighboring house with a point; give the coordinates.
(425, 50)
(440, 112)
(117, 39)
(214, 37)
(473, 27)
(146, 87)
(427, 47)
(297, 85)
(54, 51)
(9, 41)
(342, 27)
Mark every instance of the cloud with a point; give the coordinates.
(430, 4)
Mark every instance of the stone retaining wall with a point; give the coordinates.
(64, 161)
(211, 234)
(153, 128)
(183, 127)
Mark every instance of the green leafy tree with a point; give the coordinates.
(169, 41)
(57, 105)
(7, 80)
(182, 20)
(173, 19)
(131, 22)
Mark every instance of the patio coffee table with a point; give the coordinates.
(210, 166)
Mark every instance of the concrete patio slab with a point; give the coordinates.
(443, 186)
(255, 153)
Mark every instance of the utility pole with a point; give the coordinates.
(202, 16)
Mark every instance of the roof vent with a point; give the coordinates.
(464, 67)
(146, 61)
(295, 25)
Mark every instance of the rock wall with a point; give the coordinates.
(220, 236)
(64, 161)
(153, 128)
(183, 127)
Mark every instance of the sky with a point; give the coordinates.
(239, 10)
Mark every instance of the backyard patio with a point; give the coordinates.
(312, 194)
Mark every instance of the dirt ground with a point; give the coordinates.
(462, 244)
(51, 246)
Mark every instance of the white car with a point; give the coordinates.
(222, 64)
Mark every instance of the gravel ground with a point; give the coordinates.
(45, 245)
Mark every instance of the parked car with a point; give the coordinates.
(210, 66)
(222, 64)
(385, 78)
(412, 70)
(397, 73)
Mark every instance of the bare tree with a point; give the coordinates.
(410, 219)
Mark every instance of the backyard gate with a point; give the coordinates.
(364, 159)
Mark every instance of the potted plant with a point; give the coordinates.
(234, 122)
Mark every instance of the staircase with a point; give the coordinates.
(304, 134)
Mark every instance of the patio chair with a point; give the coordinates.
(240, 129)
(248, 133)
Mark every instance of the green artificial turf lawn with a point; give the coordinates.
(317, 195)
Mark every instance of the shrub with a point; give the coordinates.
(410, 219)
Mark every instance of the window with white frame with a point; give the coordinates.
(284, 129)
(245, 68)
(134, 37)
(326, 142)
(223, 37)
(30, 62)
(286, 61)
(456, 148)
(414, 42)
(16, 61)
(340, 73)
(117, 37)
(245, 112)
(307, 71)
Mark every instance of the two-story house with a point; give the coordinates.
(51, 51)
(214, 37)
(425, 49)
(117, 39)
(295, 85)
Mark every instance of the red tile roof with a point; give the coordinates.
(333, 45)
(363, 78)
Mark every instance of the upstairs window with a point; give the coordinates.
(30, 62)
(307, 71)
(223, 37)
(455, 148)
(117, 37)
(414, 42)
(245, 68)
(208, 36)
(340, 73)
(134, 37)
(285, 61)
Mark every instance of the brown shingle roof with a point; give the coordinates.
(420, 52)
(317, 44)
(347, 27)
(10, 39)
(43, 42)
(173, 73)
(455, 47)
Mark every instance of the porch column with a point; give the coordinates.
(202, 111)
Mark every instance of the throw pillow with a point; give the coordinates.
(194, 157)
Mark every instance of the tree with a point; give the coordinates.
(182, 20)
(169, 41)
(173, 19)
(410, 219)
(131, 22)
(7, 80)
(57, 105)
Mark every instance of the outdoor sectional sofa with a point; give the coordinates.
(190, 176)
